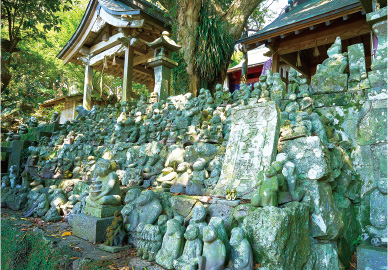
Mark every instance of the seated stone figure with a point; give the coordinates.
(198, 218)
(267, 189)
(242, 257)
(214, 251)
(152, 242)
(192, 250)
(149, 207)
(116, 235)
(105, 188)
(197, 179)
(129, 212)
(378, 214)
(55, 118)
(172, 245)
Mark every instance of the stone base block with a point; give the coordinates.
(91, 228)
(101, 211)
(369, 257)
(113, 249)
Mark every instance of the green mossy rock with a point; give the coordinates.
(278, 236)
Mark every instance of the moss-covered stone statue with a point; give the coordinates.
(378, 214)
(214, 251)
(115, 233)
(267, 189)
(192, 250)
(242, 257)
(104, 190)
(197, 179)
(172, 246)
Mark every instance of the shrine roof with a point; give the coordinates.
(304, 15)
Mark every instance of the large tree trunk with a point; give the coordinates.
(188, 19)
(188, 13)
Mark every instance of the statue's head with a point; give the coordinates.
(192, 232)
(382, 185)
(104, 167)
(199, 213)
(209, 234)
(146, 197)
(237, 236)
(162, 220)
(270, 171)
(199, 164)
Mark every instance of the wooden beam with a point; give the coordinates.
(148, 72)
(326, 36)
(81, 41)
(291, 59)
(104, 45)
(108, 53)
(275, 62)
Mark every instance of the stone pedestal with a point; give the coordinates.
(369, 257)
(102, 211)
(91, 228)
(162, 71)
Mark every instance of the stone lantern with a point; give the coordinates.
(162, 63)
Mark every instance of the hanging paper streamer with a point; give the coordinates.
(298, 62)
(105, 63)
(316, 51)
(114, 60)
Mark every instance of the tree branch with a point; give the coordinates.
(238, 14)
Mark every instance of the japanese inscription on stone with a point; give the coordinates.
(251, 147)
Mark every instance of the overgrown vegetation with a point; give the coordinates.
(28, 250)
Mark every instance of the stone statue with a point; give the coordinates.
(215, 167)
(13, 176)
(226, 96)
(184, 172)
(378, 214)
(9, 136)
(129, 212)
(256, 93)
(115, 234)
(32, 122)
(192, 250)
(39, 208)
(105, 188)
(267, 189)
(172, 246)
(242, 257)
(214, 251)
(197, 179)
(218, 95)
(303, 125)
(23, 129)
(148, 207)
(198, 218)
(278, 89)
(82, 112)
(55, 118)
(151, 239)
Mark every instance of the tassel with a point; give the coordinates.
(316, 51)
(101, 85)
(298, 62)
(114, 60)
(105, 63)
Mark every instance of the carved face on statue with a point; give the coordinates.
(104, 167)
(146, 197)
(191, 233)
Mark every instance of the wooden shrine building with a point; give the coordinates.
(112, 37)
(301, 35)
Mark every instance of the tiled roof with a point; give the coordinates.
(304, 11)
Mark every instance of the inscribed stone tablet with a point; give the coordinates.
(251, 147)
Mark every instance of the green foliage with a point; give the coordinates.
(357, 242)
(214, 46)
(28, 250)
(236, 59)
(180, 78)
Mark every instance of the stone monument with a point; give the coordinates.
(251, 147)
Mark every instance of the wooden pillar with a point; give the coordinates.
(275, 62)
(88, 87)
(127, 77)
